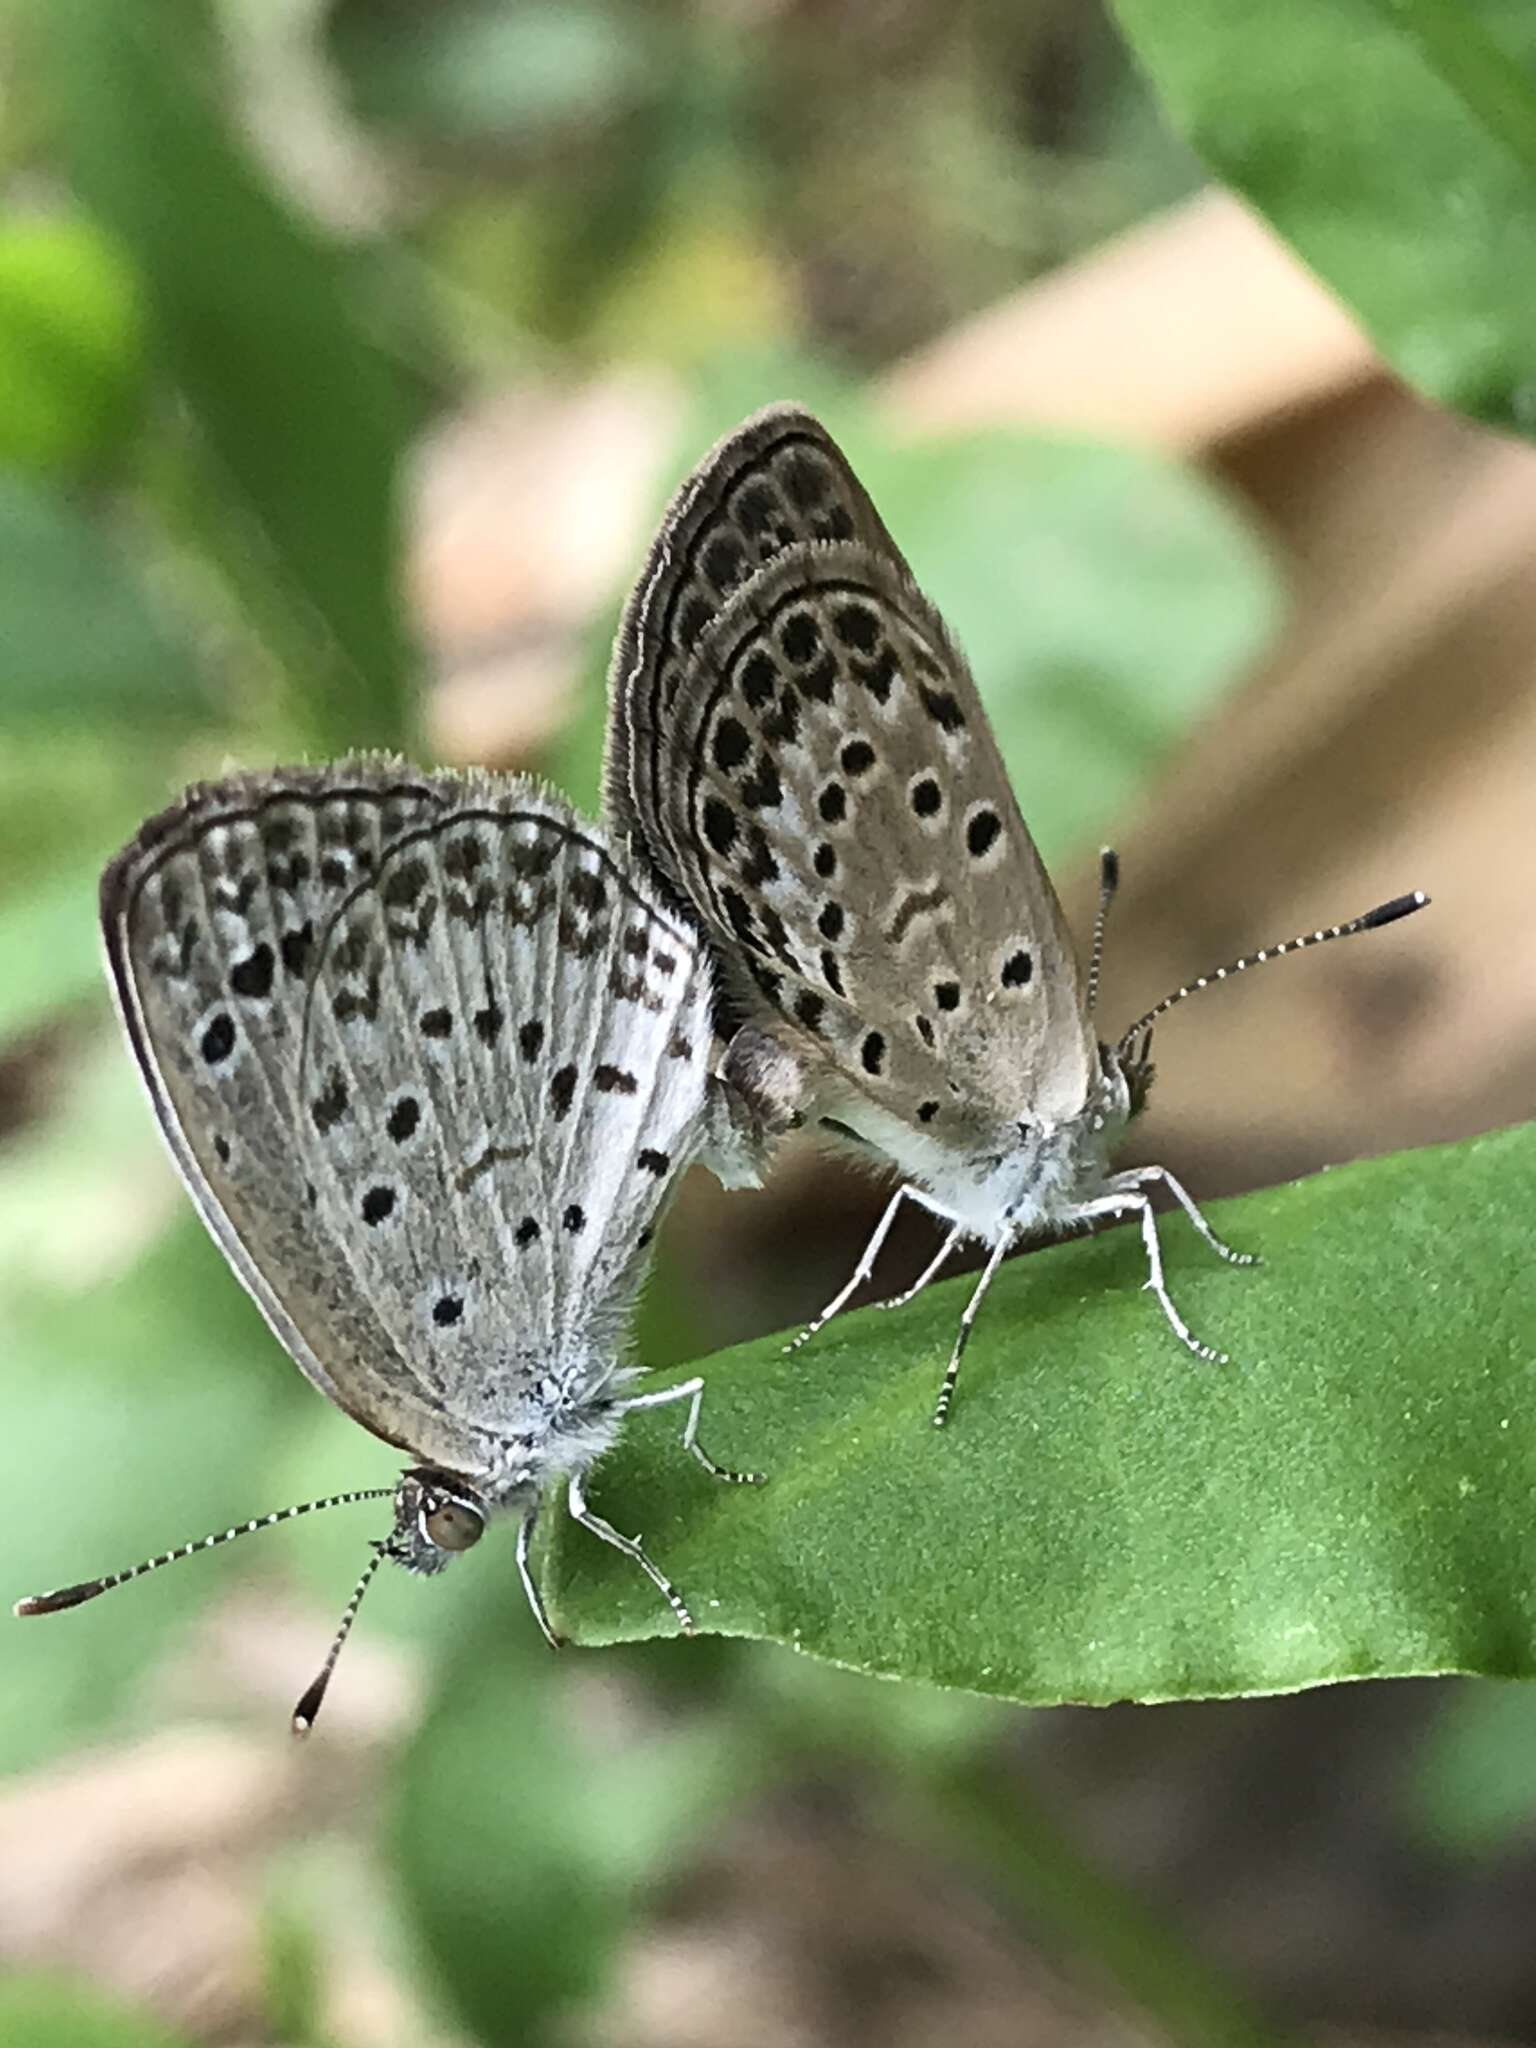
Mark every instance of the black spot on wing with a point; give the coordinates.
(982, 833)
(762, 790)
(218, 1039)
(732, 744)
(252, 976)
(295, 949)
(329, 1107)
(759, 680)
(943, 707)
(800, 638)
(719, 824)
(562, 1089)
(405, 883)
(808, 1010)
(857, 627)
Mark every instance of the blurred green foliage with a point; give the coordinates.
(71, 329)
(1471, 1790)
(1394, 146)
(46, 2012)
(207, 388)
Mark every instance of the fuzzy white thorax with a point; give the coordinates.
(1010, 1182)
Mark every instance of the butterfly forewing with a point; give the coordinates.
(210, 919)
(419, 1046)
(800, 750)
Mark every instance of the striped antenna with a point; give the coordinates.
(75, 1596)
(1109, 882)
(1384, 913)
(309, 1706)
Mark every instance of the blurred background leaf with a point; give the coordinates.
(1472, 1791)
(251, 311)
(81, 639)
(1392, 146)
(167, 1377)
(522, 1846)
(474, 72)
(43, 2012)
(72, 356)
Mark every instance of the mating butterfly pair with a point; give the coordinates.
(430, 1052)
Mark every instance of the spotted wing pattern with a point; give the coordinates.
(429, 1059)
(799, 750)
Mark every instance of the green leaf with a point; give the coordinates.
(80, 636)
(1105, 1517)
(48, 2012)
(71, 343)
(1393, 144)
(303, 417)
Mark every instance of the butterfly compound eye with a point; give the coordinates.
(452, 1525)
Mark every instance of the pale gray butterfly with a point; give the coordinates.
(430, 1058)
(797, 749)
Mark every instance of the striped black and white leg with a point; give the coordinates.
(692, 1391)
(576, 1500)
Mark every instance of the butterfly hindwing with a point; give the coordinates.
(533, 1089)
(800, 750)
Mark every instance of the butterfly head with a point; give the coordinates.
(1087, 1140)
(437, 1514)
(1137, 1072)
(1126, 1074)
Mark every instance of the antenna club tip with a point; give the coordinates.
(55, 1603)
(1389, 913)
(299, 1726)
(1109, 867)
(307, 1712)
